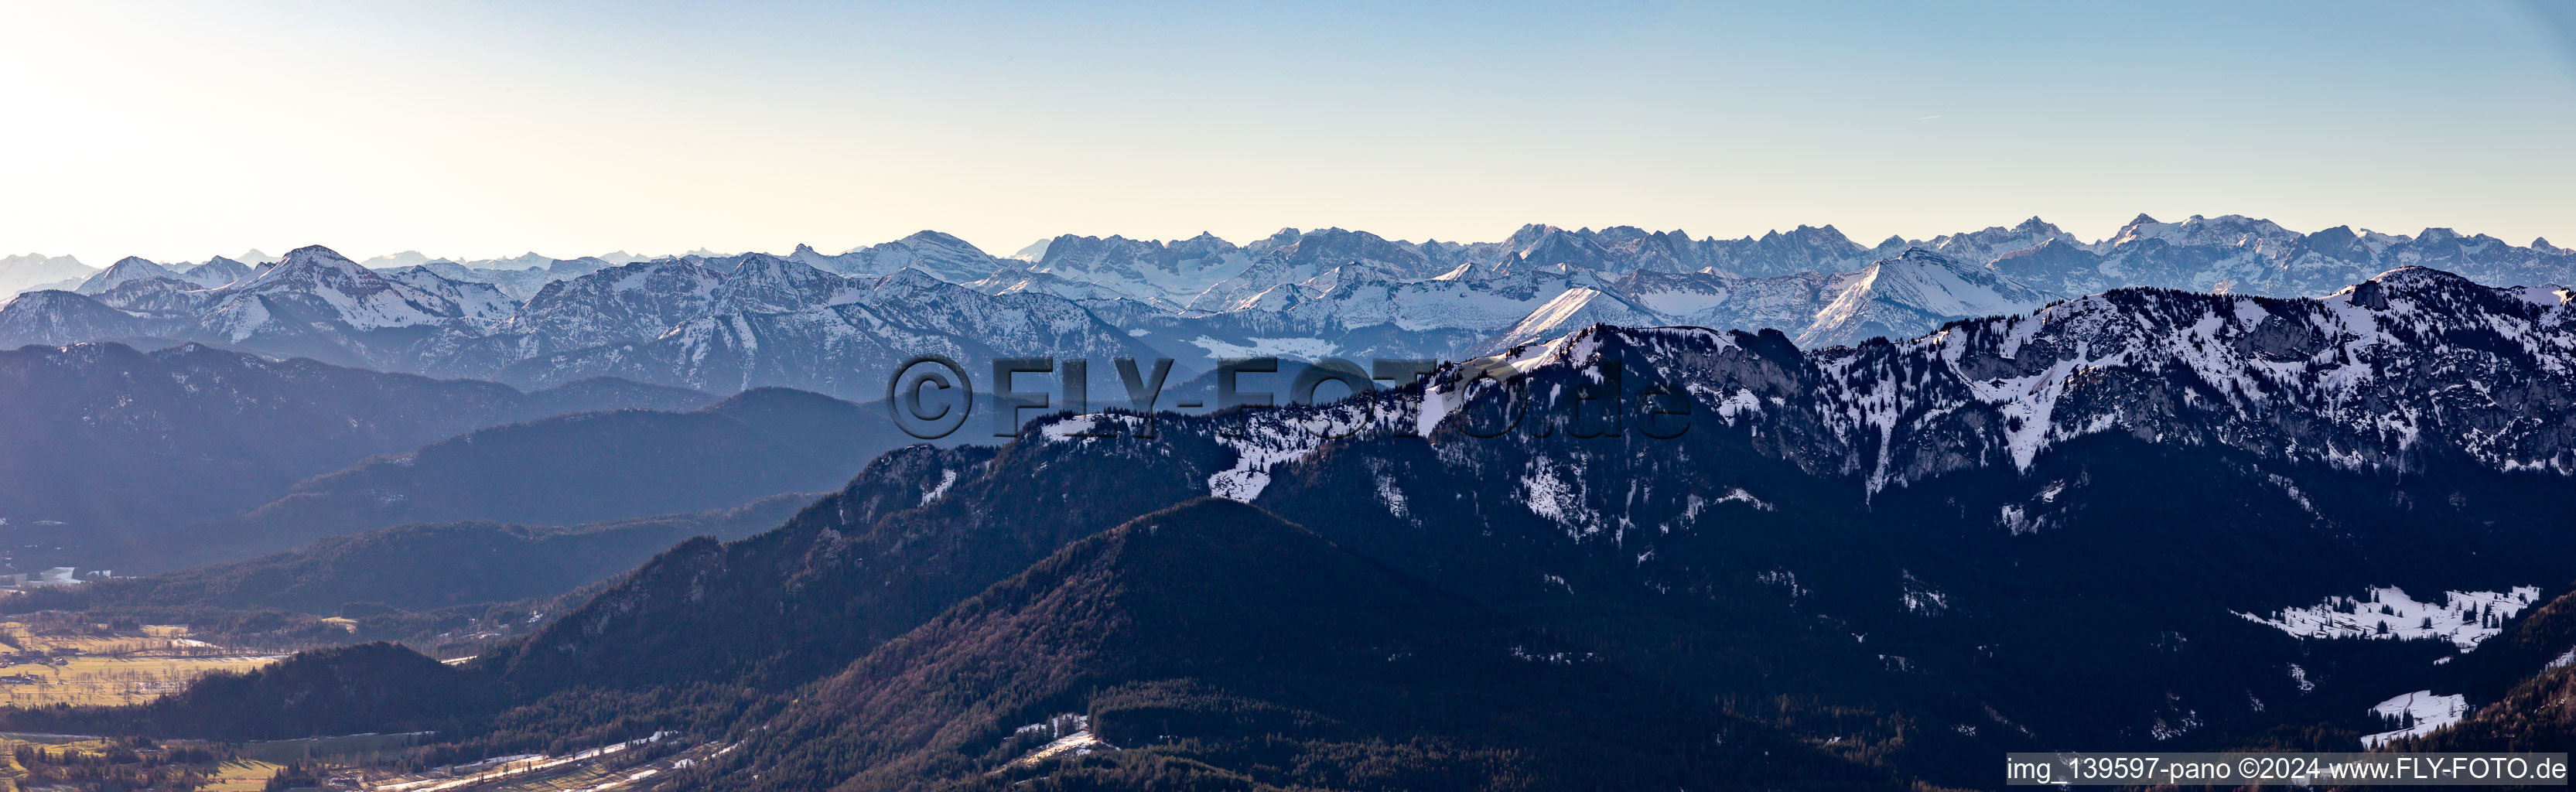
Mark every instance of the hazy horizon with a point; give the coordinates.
(177, 132)
(1007, 250)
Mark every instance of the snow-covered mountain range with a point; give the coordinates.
(2414, 370)
(2149, 452)
(831, 321)
(2414, 367)
(33, 271)
(1916, 477)
(1940, 521)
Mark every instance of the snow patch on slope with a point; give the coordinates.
(1300, 348)
(1555, 493)
(2463, 618)
(2424, 713)
(1275, 437)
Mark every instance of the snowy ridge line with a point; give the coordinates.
(2235, 358)
(2385, 374)
(2412, 366)
(2227, 253)
(806, 319)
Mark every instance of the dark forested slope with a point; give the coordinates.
(1218, 644)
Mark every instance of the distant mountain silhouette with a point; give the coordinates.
(585, 467)
(420, 566)
(109, 451)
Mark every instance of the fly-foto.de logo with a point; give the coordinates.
(931, 396)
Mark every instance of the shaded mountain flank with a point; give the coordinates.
(106, 449)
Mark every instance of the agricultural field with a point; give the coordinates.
(240, 775)
(31, 761)
(52, 664)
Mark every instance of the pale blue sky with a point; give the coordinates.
(184, 130)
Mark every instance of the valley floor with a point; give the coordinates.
(95, 665)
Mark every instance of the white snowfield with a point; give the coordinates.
(1073, 737)
(1306, 348)
(2427, 713)
(1290, 433)
(2464, 618)
(1075, 744)
(1917, 289)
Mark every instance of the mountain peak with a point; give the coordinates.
(2238, 221)
(753, 262)
(2423, 278)
(1826, 233)
(1285, 236)
(763, 283)
(310, 259)
(2423, 284)
(128, 269)
(940, 238)
(315, 254)
(1529, 233)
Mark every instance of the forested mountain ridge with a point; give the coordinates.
(1215, 643)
